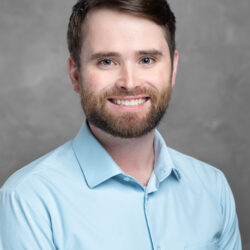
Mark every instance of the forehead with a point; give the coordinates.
(111, 30)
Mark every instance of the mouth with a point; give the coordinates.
(129, 101)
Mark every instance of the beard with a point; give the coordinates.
(125, 124)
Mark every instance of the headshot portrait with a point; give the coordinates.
(124, 125)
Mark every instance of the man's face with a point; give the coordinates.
(126, 75)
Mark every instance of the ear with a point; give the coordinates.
(175, 66)
(73, 74)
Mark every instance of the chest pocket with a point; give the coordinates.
(208, 246)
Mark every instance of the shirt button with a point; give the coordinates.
(158, 248)
(126, 179)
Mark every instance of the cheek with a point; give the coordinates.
(159, 78)
(92, 81)
(97, 79)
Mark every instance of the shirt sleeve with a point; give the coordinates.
(24, 223)
(230, 237)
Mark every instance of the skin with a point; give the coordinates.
(124, 52)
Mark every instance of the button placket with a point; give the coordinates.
(147, 202)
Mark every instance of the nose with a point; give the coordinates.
(127, 78)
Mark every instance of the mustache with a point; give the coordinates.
(130, 92)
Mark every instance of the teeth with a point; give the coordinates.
(129, 102)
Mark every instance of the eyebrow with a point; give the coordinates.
(115, 54)
(150, 53)
(104, 55)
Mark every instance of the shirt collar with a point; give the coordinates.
(164, 164)
(98, 166)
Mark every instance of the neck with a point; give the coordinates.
(134, 156)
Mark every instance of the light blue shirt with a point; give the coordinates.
(77, 198)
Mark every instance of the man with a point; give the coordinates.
(116, 185)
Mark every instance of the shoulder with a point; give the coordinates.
(45, 169)
(191, 165)
(198, 174)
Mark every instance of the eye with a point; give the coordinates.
(106, 62)
(147, 60)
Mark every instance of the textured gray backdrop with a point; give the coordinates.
(209, 116)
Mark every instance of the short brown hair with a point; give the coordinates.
(156, 10)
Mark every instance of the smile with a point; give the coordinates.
(131, 102)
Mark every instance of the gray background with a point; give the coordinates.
(209, 116)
